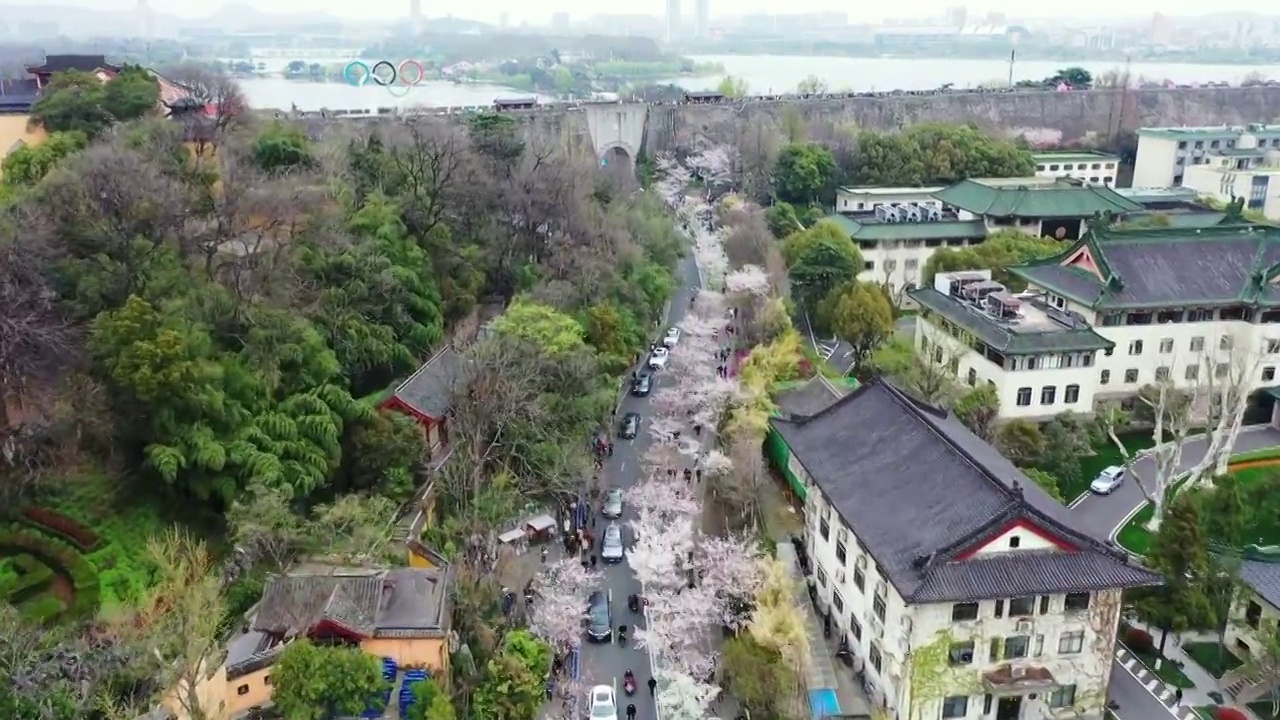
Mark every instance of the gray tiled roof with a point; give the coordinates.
(1169, 267)
(1264, 578)
(1006, 339)
(404, 601)
(917, 488)
(430, 390)
(810, 397)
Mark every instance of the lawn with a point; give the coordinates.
(1215, 659)
(1242, 509)
(1263, 710)
(1170, 671)
(1105, 455)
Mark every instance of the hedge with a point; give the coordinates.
(64, 527)
(32, 578)
(43, 609)
(59, 555)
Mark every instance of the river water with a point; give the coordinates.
(763, 74)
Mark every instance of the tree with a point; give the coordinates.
(935, 153)
(430, 702)
(29, 164)
(1020, 440)
(281, 148)
(1180, 553)
(997, 253)
(681, 697)
(1045, 481)
(356, 528)
(929, 380)
(313, 682)
(762, 681)
(1227, 376)
(977, 409)
(1263, 659)
(80, 102)
(549, 330)
(804, 173)
(811, 85)
(560, 601)
(1075, 76)
(860, 314)
(782, 219)
(514, 686)
(1170, 411)
(732, 87)
(820, 259)
(264, 526)
(213, 89)
(1066, 440)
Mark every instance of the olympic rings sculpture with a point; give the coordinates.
(397, 79)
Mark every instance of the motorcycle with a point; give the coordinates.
(622, 635)
(633, 603)
(844, 653)
(629, 683)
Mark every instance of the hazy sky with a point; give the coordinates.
(489, 10)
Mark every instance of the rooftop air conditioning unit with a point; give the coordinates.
(882, 213)
(894, 214)
(913, 213)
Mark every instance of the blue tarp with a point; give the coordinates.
(823, 703)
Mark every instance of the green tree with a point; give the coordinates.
(977, 409)
(782, 219)
(997, 253)
(936, 153)
(1075, 76)
(1046, 482)
(313, 682)
(762, 680)
(430, 703)
(543, 326)
(860, 314)
(28, 165)
(280, 148)
(79, 102)
(811, 85)
(380, 454)
(819, 260)
(1180, 553)
(804, 173)
(926, 378)
(1066, 440)
(514, 684)
(1020, 440)
(732, 87)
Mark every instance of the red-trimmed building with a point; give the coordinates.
(924, 542)
(427, 395)
(93, 64)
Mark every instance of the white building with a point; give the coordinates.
(1113, 312)
(1252, 175)
(865, 199)
(1164, 154)
(965, 591)
(1089, 166)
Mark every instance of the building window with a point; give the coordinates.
(1076, 602)
(1273, 346)
(1269, 373)
(1053, 168)
(986, 704)
(1071, 643)
(955, 706)
(1197, 344)
(1071, 395)
(1063, 696)
(859, 579)
(890, 265)
(837, 602)
(1162, 373)
(1044, 604)
(874, 656)
(1253, 615)
(822, 576)
(972, 377)
(1166, 346)
(1024, 396)
(999, 611)
(1016, 646)
(1225, 342)
(1047, 394)
(877, 607)
(842, 552)
(1135, 347)
(911, 264)
(961, 654)
(964, 611)
(242, 690)
(1015, 541)
(855, 627)
(1021, 607)
(869, 265)
(1220, 370)
(1193, 372)
(1131, 375)
(266, 679)
(824, 527)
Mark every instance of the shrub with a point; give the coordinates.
(1228, 713)
(43, 609)
(30, 579)
(59, 556)
(61, 525)
(1138, 640)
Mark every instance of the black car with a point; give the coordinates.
(643, 385)
(630, 426)
(599, 619)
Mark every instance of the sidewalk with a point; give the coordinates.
(829, 692)
(1192, 697)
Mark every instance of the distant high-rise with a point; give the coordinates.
(415, 16)
(673, 20)
(702, 16)
(957, 16)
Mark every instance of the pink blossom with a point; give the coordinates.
(677, 629)
(682, 697)
(560, 602)
(665, 498)
(716, 462)
(715, 163)
(661, 550)
(748, 280)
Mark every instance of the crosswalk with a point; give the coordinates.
(826, 348)
(1165, 694)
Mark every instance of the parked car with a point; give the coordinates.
(611, 548)
(1108, 480)
(629, 426)
(658, 358)
(604, 705)
(672, 337)
(612, 506)
(599, 618)
(643, 385)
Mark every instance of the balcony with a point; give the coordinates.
(1018, 678)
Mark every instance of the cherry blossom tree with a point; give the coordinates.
(681, 697)
(659, 557)
(713, 165)
(665, 499)
(677, 630)
(560, 602)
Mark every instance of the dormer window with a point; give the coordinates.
(1022, 607)
(1015, 541)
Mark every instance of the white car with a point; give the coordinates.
(1108, 480)
(604, 706)
(611, 548)
(658, 358)
(672, 337)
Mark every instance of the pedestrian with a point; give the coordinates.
(586, 564)
(631, 711)
(544, 553)
(593, 561)
(1177, 696)
(697, 430)
(610, 446)
(653, 686)
(593, 520)
(697, 475)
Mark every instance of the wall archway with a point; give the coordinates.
(617, 155)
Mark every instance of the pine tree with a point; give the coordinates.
(1180, 553)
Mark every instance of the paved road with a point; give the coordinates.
(1102, 515)
(606, 664)
(1136, 702)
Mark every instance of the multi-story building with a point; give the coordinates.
(1164, 154)
(1088, 166)
(1249, 173)
(1059, 208)
(1256, 606)
(1117, 310)
(964, 591)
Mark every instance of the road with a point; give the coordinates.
(1103, 515)
(1135, 701)
(606, 664)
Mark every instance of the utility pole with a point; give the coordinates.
(1013, 55)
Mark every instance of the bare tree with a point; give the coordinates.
(216, 90)
(1227, 376)
(1170, 409)
(758, 144)
(427, 159)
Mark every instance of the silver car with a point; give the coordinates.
(612, 507)
(611, 549)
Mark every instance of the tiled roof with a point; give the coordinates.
(1176, 220)
(882, 231)
(918, 489)
(810, 397)
(406, 602)
(1063, 199)
(430, 390)
(83, 63)
(1073, 156)
(1008, 339)
(1264, 578)
(1169, 267)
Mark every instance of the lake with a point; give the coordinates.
(763, 74)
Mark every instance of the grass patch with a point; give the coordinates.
(1263, 710)
(1105, 454)
(1170, 670)
(1205, 712)
(1272, 453)
(1215, 659)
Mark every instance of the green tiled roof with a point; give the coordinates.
(1058, 200)
(1077, 156)
(1177, 220)
(1223, 265)
(1004, 338)
(1219, 132)
(882, 232)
